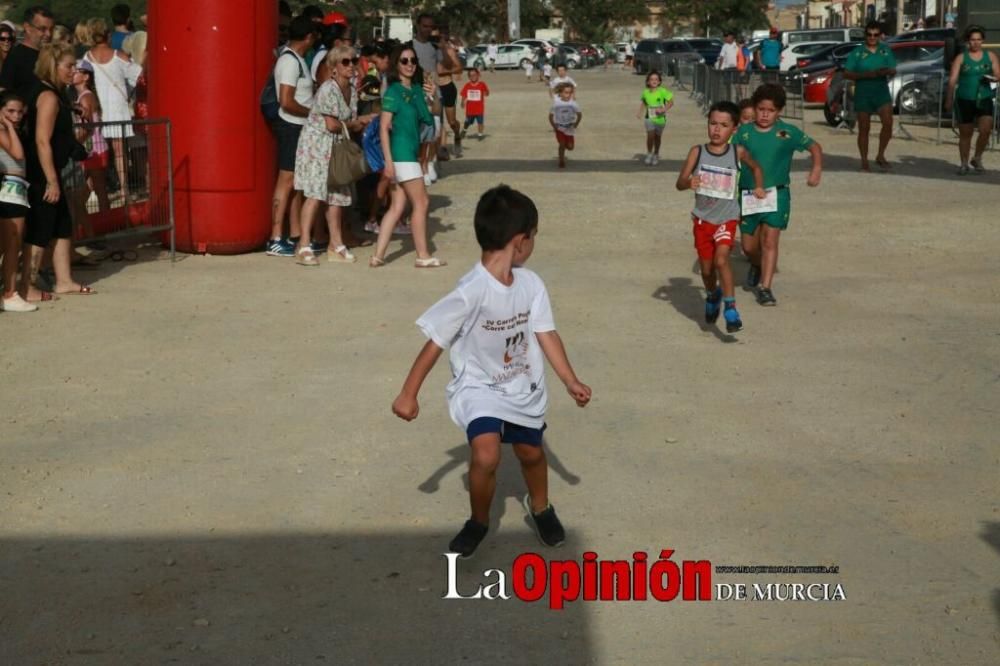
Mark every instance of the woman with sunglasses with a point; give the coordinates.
(7, 39)
(404, 111)
(870, 66)
(971, 73)
(334, 109)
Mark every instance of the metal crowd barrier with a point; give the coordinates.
(708, 85)
(129, 190)
(918, 100)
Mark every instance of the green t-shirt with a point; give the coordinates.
(656, 100)
(970, 77)
(772, 150)
(861, 60)
(409, 111)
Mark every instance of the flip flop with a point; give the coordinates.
(84, 291)
(46, 297)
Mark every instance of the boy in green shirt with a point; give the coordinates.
(772, 143)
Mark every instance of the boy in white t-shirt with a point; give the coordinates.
(565, 116)
(560, 78)
(498, 324)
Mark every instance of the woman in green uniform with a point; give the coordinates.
(870, 65)
(971, 72)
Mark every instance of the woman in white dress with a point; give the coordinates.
(114, 74)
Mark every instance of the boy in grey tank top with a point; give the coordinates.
(712, 171)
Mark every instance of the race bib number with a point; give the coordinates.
(14, 190)
(717, 182)
(752, 205)
(654, 112)
(475, 95)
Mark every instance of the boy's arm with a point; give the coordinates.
(579, 118)
(816, 151)
(758, 174)
(552, 120)
(405, 405)
(555, 353)
(685, 180)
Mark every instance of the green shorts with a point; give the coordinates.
(777, 219)
(871, 102)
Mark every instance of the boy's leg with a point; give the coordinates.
(864, 128)
(657, 140)
(723, 270)
(484, 457)
(650, 140)
(708, 275)
(562, 155)
(750, 241)
(535, 469)
(769, 254)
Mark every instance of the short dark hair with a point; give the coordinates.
(656, 73)
(422, 16)
(120, 14)
(300, 28)
(312, 12)
(726, 107)
(873, 25)
(772, 92)
(37, 10)
(746, 103)
(9, 96)
(973, 29)
(501, 214)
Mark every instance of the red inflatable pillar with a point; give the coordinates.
(207, 64)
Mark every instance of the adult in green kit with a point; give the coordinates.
(971, 73)
(870, 65)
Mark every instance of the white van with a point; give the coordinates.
(823, 35)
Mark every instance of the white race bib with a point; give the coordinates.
(14, 190)
(752, 205)
(717, 182)
(475, 95)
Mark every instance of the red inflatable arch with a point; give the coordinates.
(207, 63)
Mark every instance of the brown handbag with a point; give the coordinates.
(347, 161)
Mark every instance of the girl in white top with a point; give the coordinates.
(13, 200)
(114, 72)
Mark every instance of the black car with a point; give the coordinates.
(831, 56)
(709, 49)
(929, 35)
(662, 55)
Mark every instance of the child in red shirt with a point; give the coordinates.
(474, 94)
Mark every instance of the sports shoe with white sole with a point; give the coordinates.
(546, 524)
(17, 304)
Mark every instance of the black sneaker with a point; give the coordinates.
(765, 297)
(468, 539)
(753, 276)
(713, 304)
(546, 524)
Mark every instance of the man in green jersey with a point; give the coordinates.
(772, 143)
(870, 66)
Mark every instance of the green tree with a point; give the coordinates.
(716, 16)
(69, 12)
(594, 20)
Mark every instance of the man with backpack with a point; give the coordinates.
(293, 91)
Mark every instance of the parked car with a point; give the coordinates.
(661, 54)
(916, 88)
(791, 54)
(475, 57)
(790, 37)
(588, 53)
(826, 58)
(816, 84)
(569, 55)
(550, 47)
(929, 35)
(509, 56)
(620, 52)
(708, 49)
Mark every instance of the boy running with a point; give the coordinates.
(498, 323)
(560, 78)
(565, 117)
(712, 170)
(773, 143)
(474, 94)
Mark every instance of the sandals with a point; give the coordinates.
(305, 256)
(341, 255)
(375, 262)
(430, 262)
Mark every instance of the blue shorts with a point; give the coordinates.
(474, 119)
(510, 433)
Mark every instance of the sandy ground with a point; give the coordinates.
(199, 465)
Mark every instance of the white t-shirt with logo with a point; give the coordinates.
(497, 365)
(556, 80)
(564, 115)
(292, 71)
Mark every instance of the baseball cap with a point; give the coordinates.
(774, 31)
(335, 18)
(84, 66)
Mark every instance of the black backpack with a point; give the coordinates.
(269, 104)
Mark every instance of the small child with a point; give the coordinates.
(14, 207)
(712, 170)
(474, 94)
(747, 115)
(498, 324)
(565, 117)
(773, 143)
(560, 78)
(656, 101)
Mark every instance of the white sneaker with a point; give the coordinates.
(17, 304)
(432, 172)
(655, 160)
(427, 180)
(403, 229)
(649, 159)
(371, 226)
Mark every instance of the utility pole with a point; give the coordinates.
(514, 18)
(899, 16)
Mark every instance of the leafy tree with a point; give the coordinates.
(69, 12)
(716, 16)
(594, 20)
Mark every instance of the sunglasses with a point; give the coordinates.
(6, 39)
(349, 61)
(873, 34)
(407, 61)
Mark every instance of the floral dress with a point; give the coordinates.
(312, 158)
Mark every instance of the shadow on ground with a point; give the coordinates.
(344, 598)
(991, 535)
(687, 299)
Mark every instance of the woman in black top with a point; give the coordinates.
(51, 145)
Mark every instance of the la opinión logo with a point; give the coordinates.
(532, 578)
